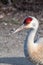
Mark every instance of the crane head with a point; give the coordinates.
(30, 22)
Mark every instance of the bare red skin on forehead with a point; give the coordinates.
(27, 20)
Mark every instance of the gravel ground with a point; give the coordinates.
(12, 46)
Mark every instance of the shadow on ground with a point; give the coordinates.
(15, 61)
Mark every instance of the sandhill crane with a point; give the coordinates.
(34, 48)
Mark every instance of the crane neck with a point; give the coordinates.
(31, 35)
(29, 41)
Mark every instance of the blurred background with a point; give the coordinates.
(12, 15)
(15, 11)
(8, 7)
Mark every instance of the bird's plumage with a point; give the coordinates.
(37, 54)
(40, 40)
(33, 49)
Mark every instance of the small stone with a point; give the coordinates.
(4, 23)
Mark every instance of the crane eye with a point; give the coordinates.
(27, 20)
